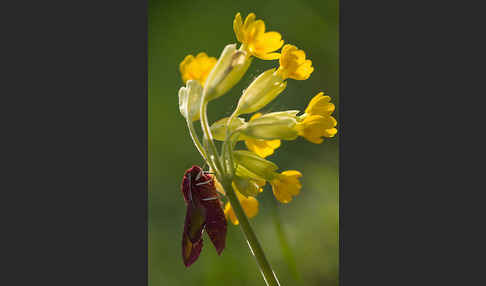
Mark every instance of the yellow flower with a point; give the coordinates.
(314, 127)
(293, 64)
(262, 148)
(317, 121)
(196, 68)
(249, 205)
(286, 185)
(320, 105)
(255, 40)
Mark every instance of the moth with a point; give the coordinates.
(204, 212)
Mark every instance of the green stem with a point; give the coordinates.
(213, 151)
(227, 145)
(195, 139)
(255, 247)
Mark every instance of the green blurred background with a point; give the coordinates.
(309, 254)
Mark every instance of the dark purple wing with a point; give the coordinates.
(215, 219)
(190, 251)
(204, 210)
(216, 225)
(192, 236)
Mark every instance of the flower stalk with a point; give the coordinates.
(255, 247)
(195, 140)
(213, 158)
(226, 179)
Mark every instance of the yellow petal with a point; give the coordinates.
(249, 21)
(262, 148)
(293, 64)
(183, 67)
(249, 205)
(286, 185)
(273, 41)
(286, 57)
(218, 186)
(330, 132)
(196, 68)
(270, 56)
(255, 116)
(237, 26)
(320, 105)
(256, 41)
(314, 127)
(258, 29)
(273, 143)
(230, 214)
(303, 72)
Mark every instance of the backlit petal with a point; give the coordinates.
(286, 185)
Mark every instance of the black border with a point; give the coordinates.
(76, 160)
(403, 206)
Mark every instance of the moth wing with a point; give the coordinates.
(192, 236)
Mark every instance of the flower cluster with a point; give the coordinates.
(208, 78)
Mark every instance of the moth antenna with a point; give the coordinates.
(208, 199)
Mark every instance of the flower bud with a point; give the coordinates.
(261, 91)
(218, 129)
(255, 164)
(276, 125)
(230, 68)
(246, 187)
(190, 100)
(245, 173)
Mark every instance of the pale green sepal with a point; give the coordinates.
(218, 128)
(271, 126)
(229, 69)
(283, 114)
(255, 164)
(245, 173)
(190, 100)
(182, 101)
(265, 88)
(245, 186)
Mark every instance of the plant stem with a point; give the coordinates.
(255, 247)
(213, 155)
(195, 139)
(227, 149)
